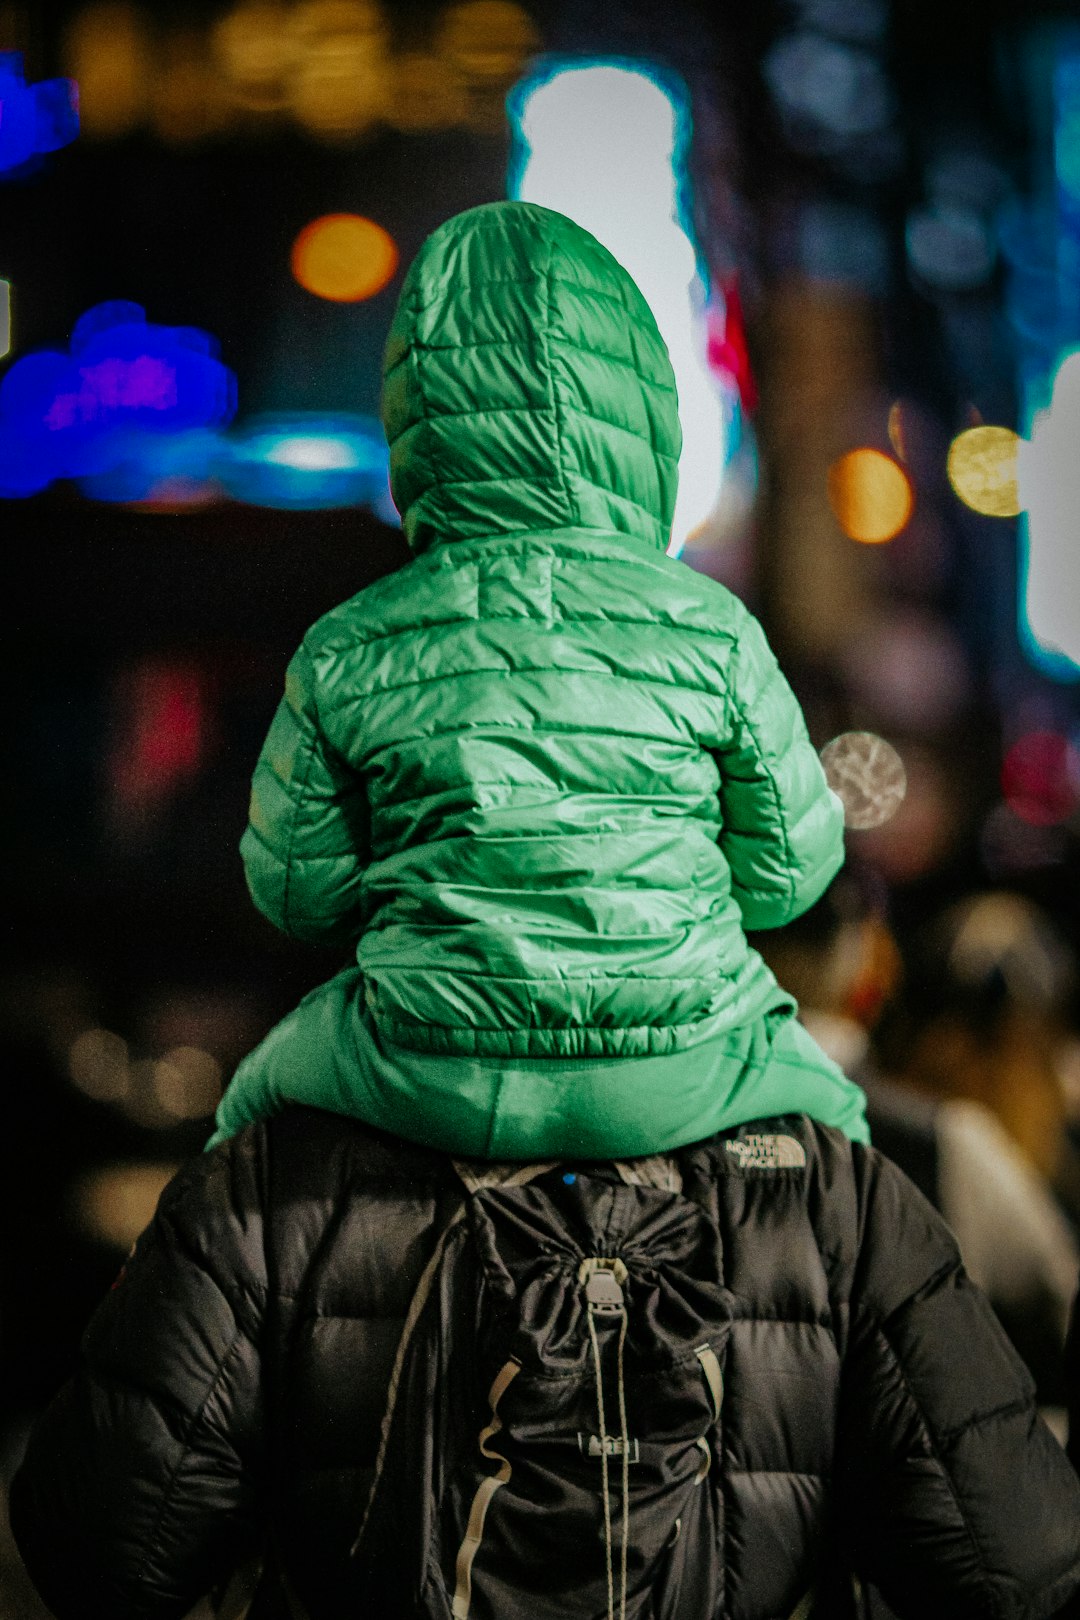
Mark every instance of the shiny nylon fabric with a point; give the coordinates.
(545, 774)
(526, 386)
(231, 1388)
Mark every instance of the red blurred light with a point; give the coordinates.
(727, 350)
(161, 740)
(1040, 778)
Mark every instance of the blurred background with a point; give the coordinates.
(858, 223)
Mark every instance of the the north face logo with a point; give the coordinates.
(761, 1150)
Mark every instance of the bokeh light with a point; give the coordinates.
(485, 43)
(184, 1084)
(828, 91)
(340, 69)
(344, 257)
(62, 415)
(949, 248)
(160, 736)
(983, 469)
(187, 1083)
(429, 92)
(1040, 778)
(871, 495)
(107, 52)
(34, 118)
(114, 1203)
(98, 1065)
(158, 471)
(606, 144)
(867, 775)
(307, 461)
(338, 82)
(488, 39)
(254, 51)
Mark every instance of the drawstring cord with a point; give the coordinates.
(624, 1438)
(603, 1462)
(625, 1468)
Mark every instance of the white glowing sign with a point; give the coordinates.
(1049, 486)
(604, 145)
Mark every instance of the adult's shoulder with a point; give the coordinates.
(873, 1227)
(311, 1187)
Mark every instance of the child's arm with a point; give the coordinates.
(783, 827)
(307, 841)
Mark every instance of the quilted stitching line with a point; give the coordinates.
(542, 410)
(573, 508)
(302, 786)
(557, 670)
(526, 340)
(741, 711)
(935, 1449)
(525, 281)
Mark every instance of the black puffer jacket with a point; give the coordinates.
(234, 1382)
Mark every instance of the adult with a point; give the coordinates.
(875, 1423)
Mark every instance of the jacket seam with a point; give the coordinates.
(523, 340)
(302, 780)
(358, 638)
(560, 669)
(949, 1437)
(535, 978)
(936, 1450)
(522, 281)
(789, 888)
(196, 1418)
(579, 616)
(645, 439)
(584, 730)
(936, 1278)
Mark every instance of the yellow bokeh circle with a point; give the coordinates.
(870, 494)
(344, 257)
(982, 469)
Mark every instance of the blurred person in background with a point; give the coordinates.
(985, 1018)
(842, 963)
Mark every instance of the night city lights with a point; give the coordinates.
(540, 978)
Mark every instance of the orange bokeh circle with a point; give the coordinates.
(344, 257)
(871, 495)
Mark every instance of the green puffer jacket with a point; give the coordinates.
(545, 775)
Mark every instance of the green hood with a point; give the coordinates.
(526, 387)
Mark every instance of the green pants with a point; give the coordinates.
(329, 1054)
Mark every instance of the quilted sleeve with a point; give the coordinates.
(307, 839)
(954, 1498)
(138, 1492)
(783, 828)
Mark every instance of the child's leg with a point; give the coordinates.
(307, 1058)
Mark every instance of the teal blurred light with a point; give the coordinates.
(306, 460)
(1040, 245)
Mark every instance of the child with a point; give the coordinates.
(544, 776)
